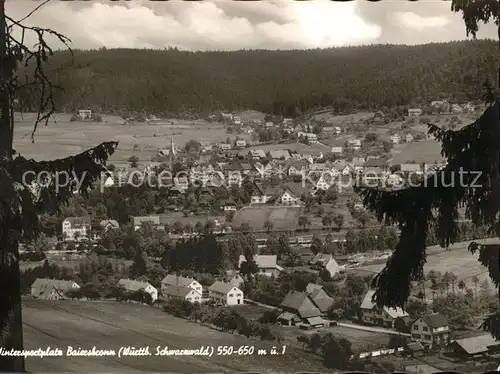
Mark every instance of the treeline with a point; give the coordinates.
(172, 82)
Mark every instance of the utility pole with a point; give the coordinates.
(11, 331)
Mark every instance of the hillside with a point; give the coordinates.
(287, 82)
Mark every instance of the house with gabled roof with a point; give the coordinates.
(474, 346)
(131, 285)
(300, 305)
(267, 264)
(225, 294)
(373, 315)
(256, 154)
(431, 330)
(258, 195)
(182, 293)
(320, 297)
(175, 280)
(327, 262)
(52, 289)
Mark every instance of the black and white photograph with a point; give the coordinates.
(250, 186)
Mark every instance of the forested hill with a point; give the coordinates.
(171, 81)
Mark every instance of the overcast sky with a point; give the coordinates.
(226, 25)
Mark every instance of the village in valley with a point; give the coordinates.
(244, 229)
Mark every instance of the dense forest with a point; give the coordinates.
(282, 82)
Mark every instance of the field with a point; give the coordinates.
(313, 150)
(62, 138)
(110, 325)
(426, 151)
(359, 338)
(70, 263)
(457, 260)
(282, 218)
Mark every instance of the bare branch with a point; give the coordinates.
(39, 84)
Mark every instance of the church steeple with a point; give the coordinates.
(171, 153)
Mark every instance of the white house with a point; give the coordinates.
(175, 280)
(134, 286)
(409, 138)
(76, 228)
(267, 264)
(311, 138)
(371, 314)
(288, 198)
(225, 294)
(327, 262)
(52, 289)
(431, 330)
(182, 293)
(396, 139)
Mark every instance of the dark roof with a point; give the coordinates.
(435, 320)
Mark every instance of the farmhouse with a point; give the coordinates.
(225, 294)
(224, 146)
(474, 346)
(134, 286)
(181, 293)
(109, 224)
(52, 289)
(301, 306)
(266, 263)
(319, 297)
(153, 220)
(76, 228)
(409, 138)
(431, 330)
(371, 314)
(175, 280)
(327, 262)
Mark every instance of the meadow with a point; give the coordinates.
(457, 259)
(282, 218)
(62, 138)
(111, 325)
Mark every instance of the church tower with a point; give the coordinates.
(171, 153)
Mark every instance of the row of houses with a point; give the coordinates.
(172, 287)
